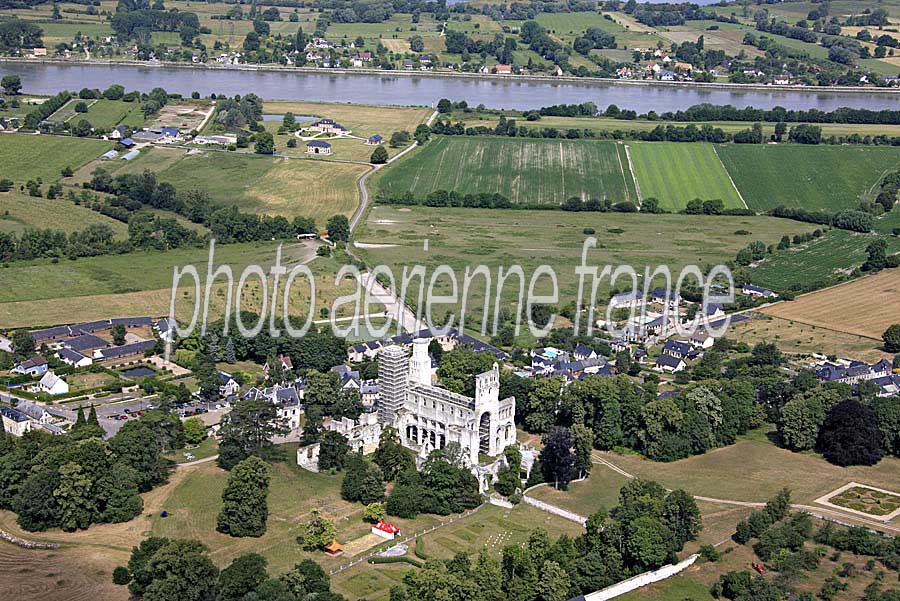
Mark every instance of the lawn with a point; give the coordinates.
(523, 170)
(259, 184)
(19, 212)
(752, 470)
(677, 172)
(826, 260)
(24, 157)
(829, 178)
(874, 301)
(599, 491)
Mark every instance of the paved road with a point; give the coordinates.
(361, 182)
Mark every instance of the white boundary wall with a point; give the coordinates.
(635, 582)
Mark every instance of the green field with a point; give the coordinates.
(19, 212)
(677, 172)
(826, 260)
(524, 170)
(260, 184)
(463, 238)
(109, 113)
(24, 157)
(830, 178)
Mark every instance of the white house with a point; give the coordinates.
(53, 384)
(669, 363)
(73, 358)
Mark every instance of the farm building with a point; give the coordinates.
(131, 154)
(73, 358)
(127, 142)
(318, 147)
(111, 154)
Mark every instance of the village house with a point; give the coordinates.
(35, 366)
(683, 67)
(328, 126)
(852, 372)
(36, 412)
(318, 147)
(702, 339)
(757, 291)
(626, 299)
(283, 361)
(73, 358)
(669, 363)
(228, 386)
(503, 70)
(287, 400)
(374, 140)
(53, 384)
(677, 348)
(14, 422)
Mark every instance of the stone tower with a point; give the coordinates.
(420, 365)
(393, 376)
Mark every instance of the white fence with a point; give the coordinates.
(635, 582)
(563, 513)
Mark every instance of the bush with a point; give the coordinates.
(121, 575)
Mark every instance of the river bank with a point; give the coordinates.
(417, 88)
(547, 79)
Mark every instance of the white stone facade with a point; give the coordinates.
(428, 417)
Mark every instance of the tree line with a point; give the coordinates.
(73, 481)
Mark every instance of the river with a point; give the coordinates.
(41, 78)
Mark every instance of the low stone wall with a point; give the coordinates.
(26, 544)
(549, 508)
(636, 582)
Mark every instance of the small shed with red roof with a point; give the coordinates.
(385, 530)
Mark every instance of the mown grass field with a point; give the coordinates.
(463, 238)
(753, 470)
(109, 113)
(24, 157)
(826, 260)
(830, 178)
(19, 212)
(525, 171)
(873, 300)
(676, 173)
(89, 286)
(260, 184)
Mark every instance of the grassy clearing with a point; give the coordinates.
(801, 338)
(754, 471)
(24, 157)
(874, 301)
(813, 177)
(525, 171)
(599, 491)
(826, 260)
(676, 173)
(19, 212)
(260, 184)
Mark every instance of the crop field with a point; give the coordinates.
(676, 173)
(525, 171)
(24, 157)
(830, 178)
(796, 338)
(265, 185)
(874, 301)
(57, 32)
(19, 212)
(827, 260)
